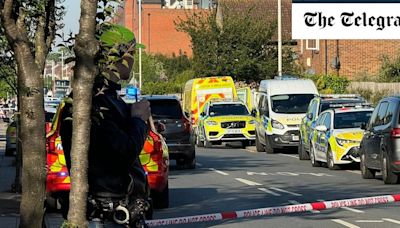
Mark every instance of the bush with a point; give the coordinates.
(328, 84)
(390, 69)
(373, 98)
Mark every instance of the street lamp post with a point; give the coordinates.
(140, 41)
(279, 37)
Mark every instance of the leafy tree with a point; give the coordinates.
(390, 69)
(240, 45)
(29, 28)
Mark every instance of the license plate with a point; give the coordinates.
(295, 138)
(233, 131)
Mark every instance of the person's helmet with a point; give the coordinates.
(116, 42)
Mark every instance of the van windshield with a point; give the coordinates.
(291, 103)
(228, 109)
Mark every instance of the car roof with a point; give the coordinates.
(348, 109)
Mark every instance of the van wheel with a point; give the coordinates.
(259, 146)
(268, 147)
(387, 174)
(331, 161)
(366, 173)
(314, 162)
(303, 155)
(245, 144)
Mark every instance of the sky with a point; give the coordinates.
(71, 18)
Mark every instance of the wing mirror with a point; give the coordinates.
(310, 116)
(321, 128)
(254, 112)
(6, 120)
(363, 126)
(202, 114)
(161, 127)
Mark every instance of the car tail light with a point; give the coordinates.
(186, 124)
(395, 133)
(157, 153)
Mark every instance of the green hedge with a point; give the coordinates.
(329, 84)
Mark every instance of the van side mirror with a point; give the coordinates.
(321, 128)
(6, 120)
(254, 112)
(203, 114)
(186, 114)
(363, 126)
(310, 116)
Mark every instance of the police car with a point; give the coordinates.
(316, 106)
(336, 137)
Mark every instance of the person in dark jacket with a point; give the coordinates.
(118, 131)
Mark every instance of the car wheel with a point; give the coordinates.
(268, 147)
(387, 174)
(366, 173)
(330, 161)
(190, 163)
(161, 199)
(314, 162)
(303, 155)
(245, 144)
(149, 213)
(259, 146)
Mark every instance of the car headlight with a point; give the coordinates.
(211, 123)
(341, 142)
(252, 121)
(277, 125)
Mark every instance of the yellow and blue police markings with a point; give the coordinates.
(342, 143)
(214, 130)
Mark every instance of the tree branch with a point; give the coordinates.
(8, 21)
(50, 31)
(40, 43)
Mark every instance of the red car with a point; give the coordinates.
(154, 158)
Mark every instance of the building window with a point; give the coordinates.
(312, 45)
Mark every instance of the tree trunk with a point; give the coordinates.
(86, 48)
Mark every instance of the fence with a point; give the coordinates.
(387, 88)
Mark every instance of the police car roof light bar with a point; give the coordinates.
(350, 105)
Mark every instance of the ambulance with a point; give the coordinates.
(247, 95)
(199, 91)
(282, 103)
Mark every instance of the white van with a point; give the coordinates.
(281, 106)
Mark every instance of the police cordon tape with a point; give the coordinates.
(276, 210)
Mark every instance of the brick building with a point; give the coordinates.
(159, 33)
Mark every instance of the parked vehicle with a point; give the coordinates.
(380, 146)
(316, 106)
(225, 121)
(178, 132)
(199, 91)
(282, 104)
(247, 96)
(337, 136)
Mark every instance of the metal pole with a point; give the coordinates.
(279, 38)
(140, 41)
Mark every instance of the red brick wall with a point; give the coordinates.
(158, 29)
(357, 57)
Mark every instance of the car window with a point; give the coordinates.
(372, 120)
(380, 118)
(166, 108)
(320, 119)
(327, 120)
(351, 119)
(227, 109)
(291, 103)
(314, 108)
(390, 112)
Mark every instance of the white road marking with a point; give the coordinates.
(198, 164)
(295, 202)
(288, 155)
(269, 191)
(344, 223)
(288, 192)
(220, 172)
(354, 171)
(251, 183)
(391, 220)
(353, 210)
(251, 151)
(368, 221)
